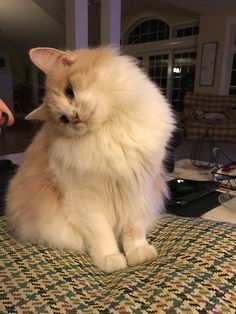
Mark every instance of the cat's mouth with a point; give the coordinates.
(74, 125)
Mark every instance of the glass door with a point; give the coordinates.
(158, 70)
(183, 75)
(232, 87)
(173, 72)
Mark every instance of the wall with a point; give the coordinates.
(18, 75)
(18, 64)
(212, 28)
(6, 88)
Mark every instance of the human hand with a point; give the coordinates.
(4, 108)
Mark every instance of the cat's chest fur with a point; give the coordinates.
(78, 157)
(91, 156)
(88, 169)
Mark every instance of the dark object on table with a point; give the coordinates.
(225, 170)
(192, 198)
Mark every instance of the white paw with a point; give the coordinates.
(111, 263)
(141, 254)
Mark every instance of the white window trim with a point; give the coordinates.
(188, 42)
(130, 25)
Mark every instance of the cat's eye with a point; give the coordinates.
(64, 119)
(69, 91)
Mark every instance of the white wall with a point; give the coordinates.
(212, 29)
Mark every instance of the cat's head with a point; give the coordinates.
(81, 88)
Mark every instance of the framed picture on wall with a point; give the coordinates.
(208, 61)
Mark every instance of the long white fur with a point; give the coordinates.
(107, 171)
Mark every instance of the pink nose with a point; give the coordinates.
(76, 119)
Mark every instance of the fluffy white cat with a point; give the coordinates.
(93, 179)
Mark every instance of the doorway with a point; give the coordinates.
(173, 72)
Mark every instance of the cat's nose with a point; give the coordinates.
(75, 119)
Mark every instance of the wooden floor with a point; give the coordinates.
(15, 139)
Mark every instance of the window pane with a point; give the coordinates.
(234, 62)
(152, 37)
(165, 71)
(144, 27)
(148, 31)
(143, 38)
(180, 33)
(233, 78)
(187, 31)
(183, 77)
(158, 69)
(232, 91)
(162, 26)
(153, 25)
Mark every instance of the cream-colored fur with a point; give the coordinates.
(98, 185)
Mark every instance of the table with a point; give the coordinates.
(185, 170)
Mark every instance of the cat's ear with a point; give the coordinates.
(37, 114)
(46, 59)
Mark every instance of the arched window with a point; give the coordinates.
(149, 30)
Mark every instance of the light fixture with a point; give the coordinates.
(176, 69)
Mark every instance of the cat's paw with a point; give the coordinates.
(112, 263)
(141, 254)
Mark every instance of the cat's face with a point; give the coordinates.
(78, 89)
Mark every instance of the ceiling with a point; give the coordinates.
(206, 7)
(25, 23)
(30, 23)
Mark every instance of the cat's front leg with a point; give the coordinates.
(137, 249)
(102, 245)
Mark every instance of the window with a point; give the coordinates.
(148, 31)
(232, 88)
(188, 31)
(158, 70)
(172, 70)
(183, 72)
